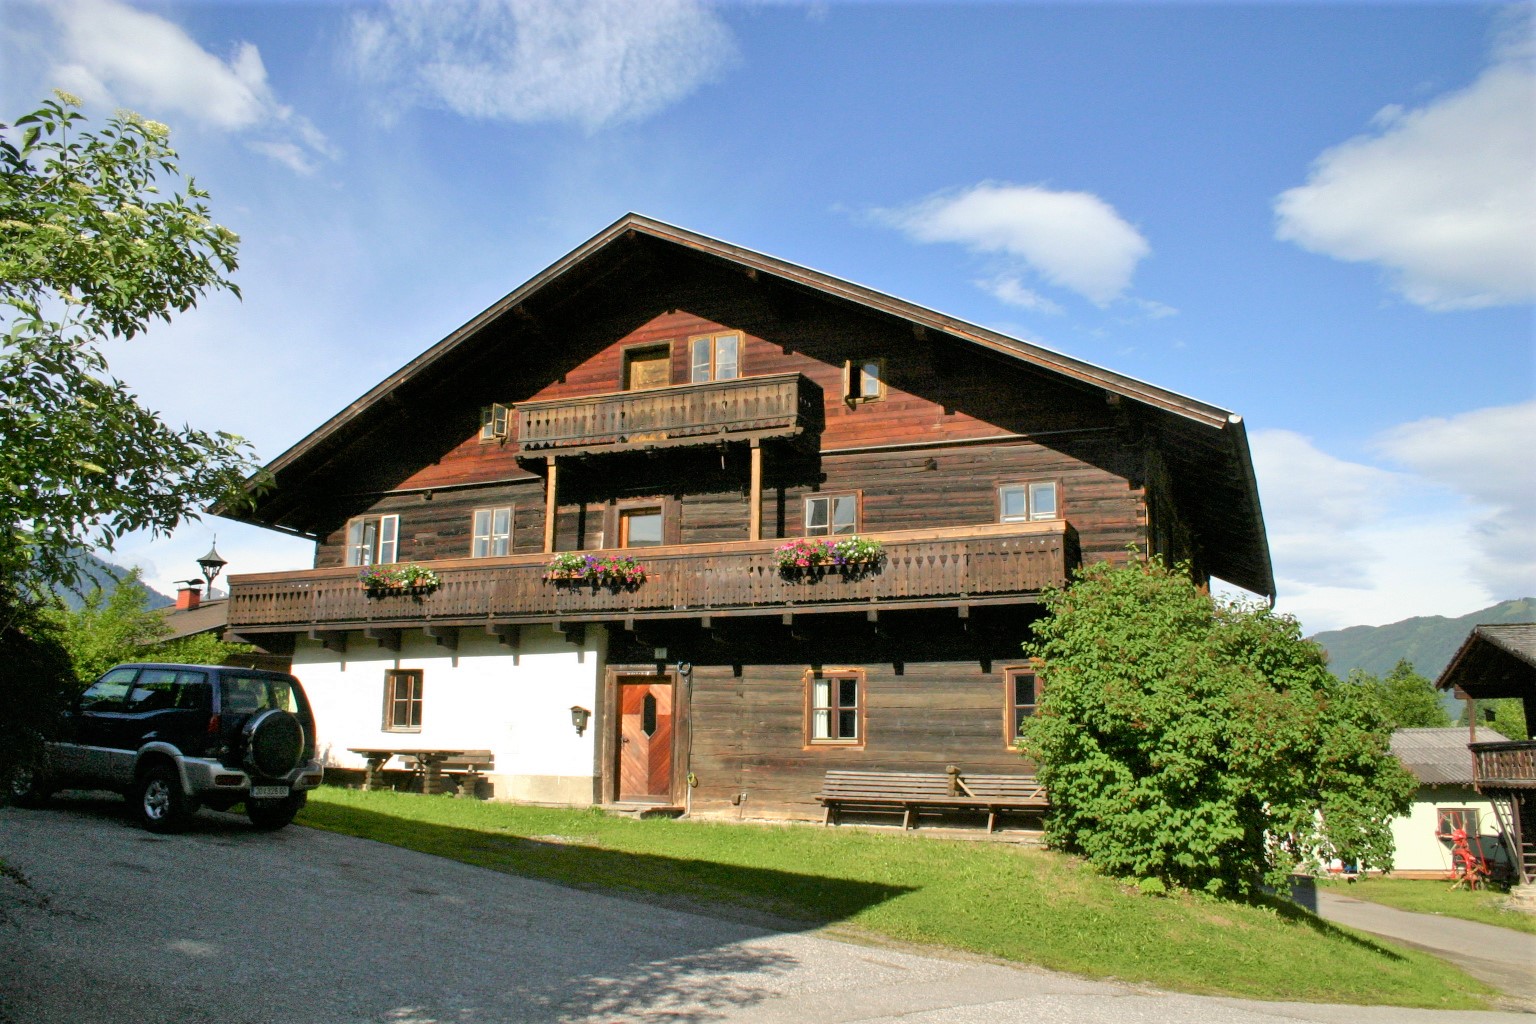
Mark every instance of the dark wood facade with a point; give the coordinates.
(833, 392)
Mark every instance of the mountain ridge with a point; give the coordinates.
(1429, 641)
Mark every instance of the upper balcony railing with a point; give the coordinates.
(779, 405)
(919, 568)
(1504, 765)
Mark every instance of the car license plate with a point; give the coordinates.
(268, 792)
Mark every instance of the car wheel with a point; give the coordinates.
(271, 815)
(158, 801)
(29, 788)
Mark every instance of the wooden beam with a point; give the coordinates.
(506, 634)
(389, 639)
(574, 632)
(330, 639)
(551, 503)
(755, 494)
(445, 636)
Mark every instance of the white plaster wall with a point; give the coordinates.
(1419, 849)
(481, 697)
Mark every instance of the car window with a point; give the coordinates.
(193, 692)
(107, 693)
(256, 693)
(163, 689)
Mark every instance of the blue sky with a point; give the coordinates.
(1319, 216)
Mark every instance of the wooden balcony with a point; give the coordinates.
(1504, 765)
(780, 405)
(995, 563)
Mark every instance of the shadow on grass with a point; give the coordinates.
(771, 898)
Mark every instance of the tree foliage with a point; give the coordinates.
(91, 250)
(1405, 699)
(1504, 714)
(1201, 743)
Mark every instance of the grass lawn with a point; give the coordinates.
(1432, 897)
(1015, 903)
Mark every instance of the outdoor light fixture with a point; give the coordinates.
(212, 564)
(580, 716)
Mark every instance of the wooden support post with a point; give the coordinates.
(506, 634)
(551, 503)
(389, 639)
(755, 511)
(445, 636)
(573, 632)
(330, 639)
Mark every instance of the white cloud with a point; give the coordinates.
(1486, 456)
(113, 53)
(591, 63)
(1452, 531)
(1072, 239)
(1443, 196)
(1009, 289)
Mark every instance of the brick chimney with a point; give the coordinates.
(188, 597)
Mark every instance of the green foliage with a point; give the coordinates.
(1199, 742)
(91, 250)
(1405, 699)
(35, 678)
(1505, 714)
(115, 626)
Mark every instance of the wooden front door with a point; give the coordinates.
(645, 738)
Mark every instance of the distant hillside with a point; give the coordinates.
(105, 575)
(1428, 641)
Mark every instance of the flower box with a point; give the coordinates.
(815, 557)
(381, 580)
(571, 568)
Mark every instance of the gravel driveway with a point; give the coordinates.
(227, 925)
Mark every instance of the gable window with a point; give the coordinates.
(830, 514)
(864, 380)
(372, 540)
(640, 527)
(493, 421)
(714, 357)
(1023, 700)
(835, 706)
(1023, 503)
(647, 366)
(492, 532)
(402, 700)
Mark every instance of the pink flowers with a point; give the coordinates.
(610, 570)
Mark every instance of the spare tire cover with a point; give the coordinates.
(274, 743)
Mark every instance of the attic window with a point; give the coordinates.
(493, 421)
(863, 380)
(716, 357)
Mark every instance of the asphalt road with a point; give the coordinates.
(227, 925)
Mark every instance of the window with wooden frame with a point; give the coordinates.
(831, 514)
(863, 380)
(714, 357)
(835, 707)
(373, 540)
(640, 526)
(1449, 819)
(492, 531)
(402, 700)
(1028, 502)
(494, 421)
(1022, 701)
(647, 366)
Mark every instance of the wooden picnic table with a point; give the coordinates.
(431, 761)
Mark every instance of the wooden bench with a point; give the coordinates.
(431, 766)
(911, 792)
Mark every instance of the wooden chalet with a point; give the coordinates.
(662, 395)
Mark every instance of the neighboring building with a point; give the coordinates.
(1499, 661)
(661, 394)
(1445, 800)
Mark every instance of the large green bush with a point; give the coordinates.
(1200, 742)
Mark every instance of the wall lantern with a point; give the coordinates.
(212, 565)
(580, 716)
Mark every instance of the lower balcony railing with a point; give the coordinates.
(1504, 765)
(930, 567)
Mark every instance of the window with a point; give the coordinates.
(831, 514)
(402, 700)
(165, 689)
(107, 693)
(835, 707)
(492, 532)
(493, 422)
(1023, 698)
(714, 357)
(371, 540)
(1453, 818)
(1022, 503)
(864, 380)
(639, 527)
(647, 367)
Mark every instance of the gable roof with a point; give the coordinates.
(1206, 442)
(1496, 660)
(1438, 757)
